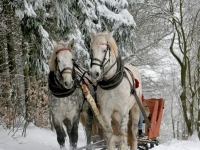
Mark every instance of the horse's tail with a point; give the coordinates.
(82, 119)
(95, 127)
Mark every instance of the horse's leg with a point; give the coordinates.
(68, 125)
(135, 118)
(123, 130)
(74, 133)
(88, 125)
(106, 116)
(60, 132)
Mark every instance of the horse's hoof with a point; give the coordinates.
(62, 147)
(72, 148)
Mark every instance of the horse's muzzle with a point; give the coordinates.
(69, 85)
(95, 75)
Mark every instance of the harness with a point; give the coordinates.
(117, 79)
(133, 92)
(57, 88)
(108, 84)
(101, 63)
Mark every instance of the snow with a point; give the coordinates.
(178, 145)
(44, 139)
(122, 17)
(36, 138)
(19, 13)
(29, 10)
(43, 32)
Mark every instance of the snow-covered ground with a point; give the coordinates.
(43, 139)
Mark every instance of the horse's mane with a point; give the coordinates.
(111, 42)
(57, 46)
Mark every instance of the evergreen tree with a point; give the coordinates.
(43, 20)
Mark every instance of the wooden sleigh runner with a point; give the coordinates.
(153, 108)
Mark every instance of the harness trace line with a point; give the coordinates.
(133, 92)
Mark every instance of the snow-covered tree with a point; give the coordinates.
(40, 21)
(75, 19)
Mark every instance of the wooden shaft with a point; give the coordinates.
(93, 105)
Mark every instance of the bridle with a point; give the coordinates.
(101, 63)
(66, 70)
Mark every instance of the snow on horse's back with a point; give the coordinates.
(115, 84)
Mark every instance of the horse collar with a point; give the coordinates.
(116, 79)
(57, 89)
(63, 49)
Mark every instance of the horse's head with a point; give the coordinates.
(62, 62)
(102, 45)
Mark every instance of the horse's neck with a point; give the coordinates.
(112, 69)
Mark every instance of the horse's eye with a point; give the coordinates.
(104, 50)
(58, 60)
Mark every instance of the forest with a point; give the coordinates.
(160, 37)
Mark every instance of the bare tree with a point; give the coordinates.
(186, 35)
(157, 22)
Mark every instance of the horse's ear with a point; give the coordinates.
(93, 32)
(109, 35)
(71, 44)
(54, 43)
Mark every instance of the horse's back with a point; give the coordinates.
(134, 70)
(136, 75)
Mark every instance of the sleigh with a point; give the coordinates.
(155, 107)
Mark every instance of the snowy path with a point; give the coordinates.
(42, 139)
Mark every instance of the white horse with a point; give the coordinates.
(115, 87)
(66, 97)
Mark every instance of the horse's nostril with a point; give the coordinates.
(65, 83)
(97, 74)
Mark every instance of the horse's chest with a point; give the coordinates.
(67, 104)
(119, 97)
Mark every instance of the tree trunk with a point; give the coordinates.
(198, 91)
(26, 74)
(4, 76)
(173, 124)
(9, 12)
